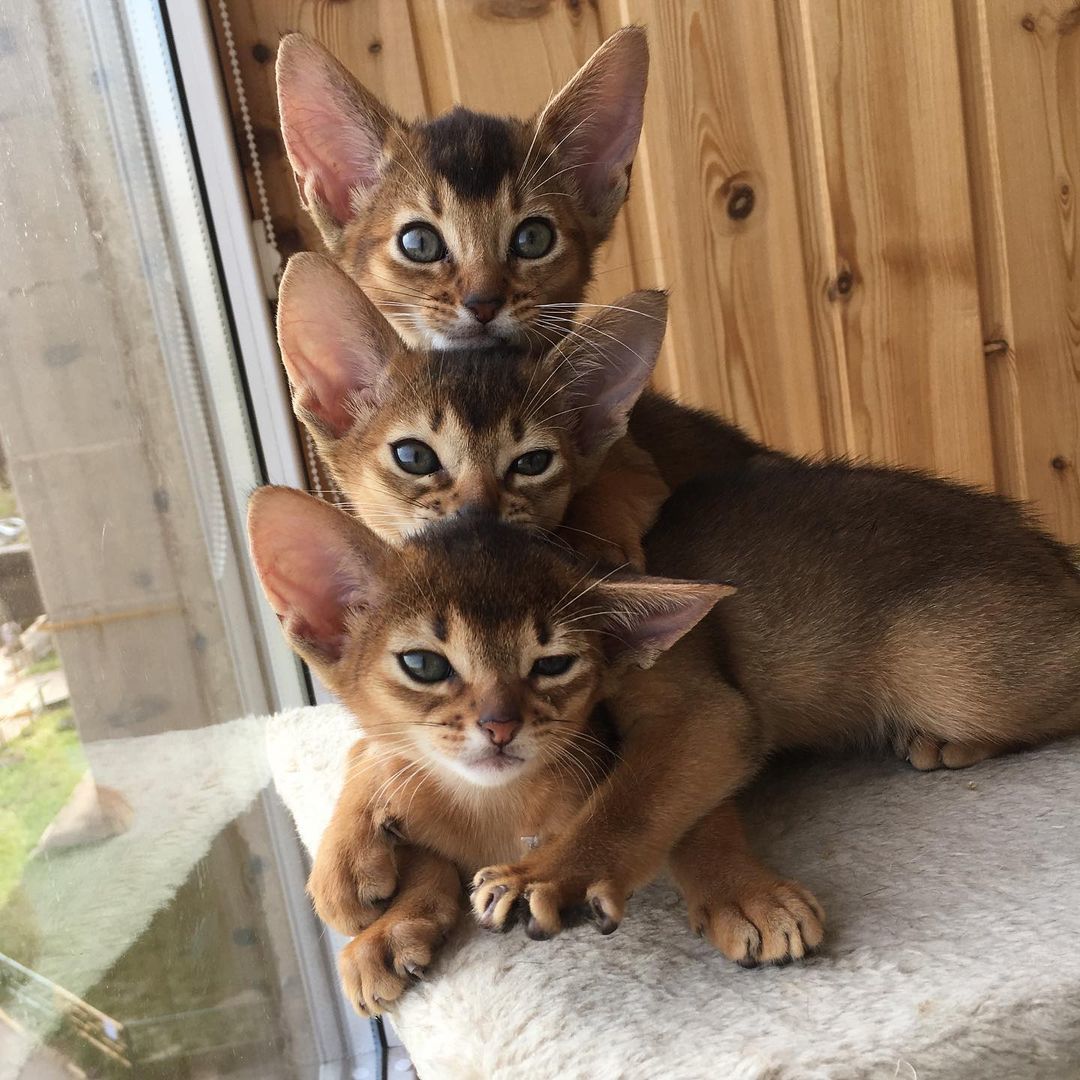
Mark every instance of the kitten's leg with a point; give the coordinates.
(694, 746)
(355, 868)
(381, 963)
(749, 913)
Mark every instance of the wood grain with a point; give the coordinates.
(716, 217)
(1022, 75)
(892, 124)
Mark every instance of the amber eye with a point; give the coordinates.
(424, 666)
(553, 665)
(421, 243)
(533, 463)
(533, 239)
(415, 457)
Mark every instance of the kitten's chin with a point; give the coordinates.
(487, 770)
(509, 335)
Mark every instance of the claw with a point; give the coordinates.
(536, 931)
(489, 910)
(605, 922)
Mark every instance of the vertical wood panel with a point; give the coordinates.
(889, 91)
(741, 338)
(988, 208)
(1022, 82)
(508, 57)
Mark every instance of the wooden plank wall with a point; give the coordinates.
(866, 211)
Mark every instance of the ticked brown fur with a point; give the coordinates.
(496, 753)
(361, 391)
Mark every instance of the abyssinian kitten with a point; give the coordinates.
(477, 655)
(875, 605)
(411, 436)
(476, 231)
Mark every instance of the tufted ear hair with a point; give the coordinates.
(335, 132)
(334, 342)
(321, 570)
(645, 616)
(595, 123)
(614, 355)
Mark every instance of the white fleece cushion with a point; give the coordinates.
(953, 945)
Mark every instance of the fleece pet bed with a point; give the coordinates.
(953, 945)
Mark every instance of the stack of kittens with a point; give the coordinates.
(873, 605)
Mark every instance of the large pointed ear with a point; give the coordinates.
(614, 357)
(595, 123)
(334, 132)
(320, 569)
(645, 616)
(334, 342)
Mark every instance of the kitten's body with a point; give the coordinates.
(880, 605)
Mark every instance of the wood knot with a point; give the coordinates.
(741, 201)
(995, 347)
(375, 47)
(261, 52)
(841, 286)
(1028, 23)
(1060, 463)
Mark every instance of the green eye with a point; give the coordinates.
(552, 665)
(534, 239)
(415, 457)
(425, 667)
(421, 243)
(533, 463)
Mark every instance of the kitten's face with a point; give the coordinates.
(469, 230)
(476, 649)
(412, 437)
(456, 433)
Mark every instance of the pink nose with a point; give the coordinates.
(484, 308)
(500, 730)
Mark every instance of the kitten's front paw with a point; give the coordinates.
(379, 965)
(766, 922)
(545, 897)
(352, 879)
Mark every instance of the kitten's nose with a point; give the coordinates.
(500, 727)
(484, 308)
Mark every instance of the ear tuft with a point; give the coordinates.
(319, 569)
(334, 132)
(595, 121)
(648, 615)
(614, 357)
(334, 342)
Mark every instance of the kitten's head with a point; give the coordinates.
(464, 227)
(475, 647)
(411, 436)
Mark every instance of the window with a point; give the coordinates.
(152, 914)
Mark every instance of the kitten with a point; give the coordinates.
(411, 436)
(875, 606)
(468, 230)
(476, 655)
